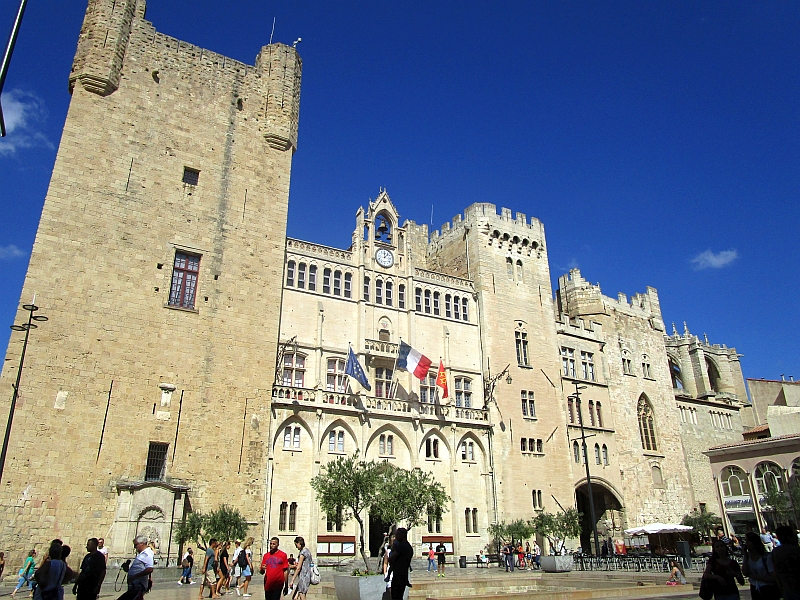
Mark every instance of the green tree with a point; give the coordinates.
(499, 532)
(520, 530)
(408, 496)
(558, 527)
(224, 523)
(702, 522)
(351, 486)
(778, 503)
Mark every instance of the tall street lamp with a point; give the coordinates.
(26, 327)
(585, 451)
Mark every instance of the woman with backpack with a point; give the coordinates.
(51, 575)
(301, 580)
(26, 573)
(245, 561)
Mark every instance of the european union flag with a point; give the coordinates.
(353, 368)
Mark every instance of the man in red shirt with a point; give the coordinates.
(275, 568)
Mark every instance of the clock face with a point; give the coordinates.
(384, 257)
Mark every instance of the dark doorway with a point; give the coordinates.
(604, 501)
(378, 530)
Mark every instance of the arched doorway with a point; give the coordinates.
(607, 510)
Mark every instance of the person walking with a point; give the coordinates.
(431, 559)
(721, 574)
(758, 568)
(786, 559)
(247, 567)
(537, 554)
(301, 580)
(441, 549)
(275, 568)
(236, 570)
(26, 573)
(400, 561)
(209, 570)
(50, 576)
(92, 573)
(187, 562)
(766, 539)
(139, 570)
(224, 570)
(101, 548)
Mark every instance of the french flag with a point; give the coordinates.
(413, 361)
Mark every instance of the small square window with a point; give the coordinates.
(190, 176)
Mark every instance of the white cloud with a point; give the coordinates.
(710, 260)
(10, 252)
(23, 113)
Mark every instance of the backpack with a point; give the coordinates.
(315, 576)
(241, 560)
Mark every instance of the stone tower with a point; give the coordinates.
(506, 259)
(158, 261)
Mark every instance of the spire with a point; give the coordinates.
(674, 330)
(686, 330)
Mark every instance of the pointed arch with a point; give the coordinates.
(647, 423)
(336, 424)
(387, 428)
(433, 432)
(714, 378)
(290, 421)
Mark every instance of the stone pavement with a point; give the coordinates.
(477, 584)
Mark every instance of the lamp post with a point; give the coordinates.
(26, 327)
(585, 451)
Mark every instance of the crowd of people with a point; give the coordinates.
(770, 563)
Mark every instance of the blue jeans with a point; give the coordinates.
(187, 573)
(23, 579)
(431, 564)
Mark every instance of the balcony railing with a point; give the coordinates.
(381, 348)
(412, 408)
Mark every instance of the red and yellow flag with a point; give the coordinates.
(441, 380)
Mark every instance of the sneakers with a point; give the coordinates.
(180, 583)
(247, 595)
(238, 591)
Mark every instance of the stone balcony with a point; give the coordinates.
(372, 405)
(379, 348)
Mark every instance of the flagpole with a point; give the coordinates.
(393, 387)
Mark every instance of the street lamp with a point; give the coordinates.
(26, 327)
(585, 451)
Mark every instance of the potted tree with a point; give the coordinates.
(557, 528)
(350, 487)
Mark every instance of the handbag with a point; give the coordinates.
(315, 576)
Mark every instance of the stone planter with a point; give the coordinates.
(371, 587)
(556, 564)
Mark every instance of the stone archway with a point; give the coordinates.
(608, 509)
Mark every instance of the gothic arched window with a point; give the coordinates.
(647, 427)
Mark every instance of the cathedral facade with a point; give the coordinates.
(161, 239)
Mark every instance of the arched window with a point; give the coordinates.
(510, 268)
(627, 365)
(647, 427)
(523, 444)
(448, 305)
(388, 288)
(658, 478)
(769, 478)
(337, 283)
(291, 437)
(597, 454)
(464, 309)
(734, 482)
(520, 278)
(282, 516)
(576, 452)
(336, 440)
(468, 519)
(427, 302)
(312, 278)
(675, 374)
(646, 367)
(366, 289)
(301, 276)
(401, 296)
(378, 291)
(383, 229)
(571, 407)
(290, 266)
(418, 299)
(348, 285)
(474, 520)
(436, 309)
(605, 455)
(713, 375)
(599, 413)
(326, 281)
(591, 413)
(432, 448)
(456, 310)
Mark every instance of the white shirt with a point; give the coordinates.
(236, 555)
(103, 551)
(144, 560)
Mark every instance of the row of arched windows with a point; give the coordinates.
(767, 476)
(303, 276)
(600, 454)
(428, 302)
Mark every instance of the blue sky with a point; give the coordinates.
(657, 141)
